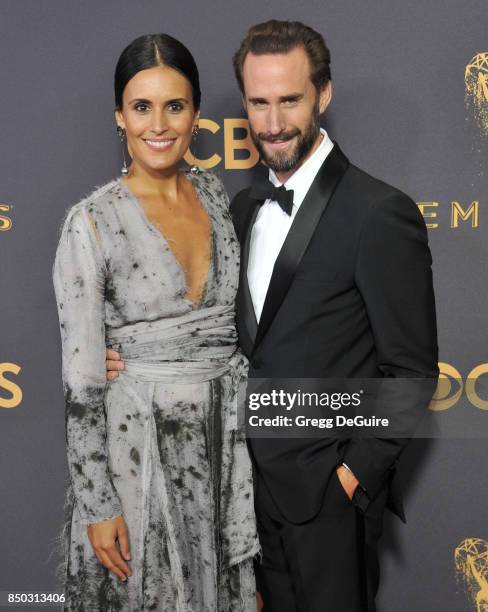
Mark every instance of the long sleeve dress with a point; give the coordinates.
(159, 445)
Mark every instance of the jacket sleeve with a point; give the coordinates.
(79, 281)
(394, 277)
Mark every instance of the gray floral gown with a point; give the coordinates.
(160, 444)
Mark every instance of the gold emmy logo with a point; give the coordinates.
(5, 220)
(451, 385)
(476, 88)
(15, 397)
(471, 560)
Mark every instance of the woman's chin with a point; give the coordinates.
(160, 166)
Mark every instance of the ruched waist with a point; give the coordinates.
(193, 347)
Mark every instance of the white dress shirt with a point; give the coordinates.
(272, 224)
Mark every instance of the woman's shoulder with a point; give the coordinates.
(95, 202)
(88, 210)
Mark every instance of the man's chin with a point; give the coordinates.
(279, 163)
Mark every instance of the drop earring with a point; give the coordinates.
(121, 134)
(194, 169)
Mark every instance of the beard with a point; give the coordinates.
(290, 160)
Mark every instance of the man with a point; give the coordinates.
(335, 283)
(340, 287)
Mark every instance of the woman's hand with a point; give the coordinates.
(259, 602)
(103, 536)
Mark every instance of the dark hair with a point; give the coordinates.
(278, 37)
(155, 50)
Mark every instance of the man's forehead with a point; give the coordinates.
(276, 71)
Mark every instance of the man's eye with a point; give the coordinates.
(290, 102)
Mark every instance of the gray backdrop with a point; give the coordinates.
(400, 111)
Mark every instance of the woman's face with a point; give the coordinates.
(158, 116)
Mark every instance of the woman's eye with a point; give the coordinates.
(175, 107)
(141, 107)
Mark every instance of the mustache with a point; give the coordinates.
(281, 136)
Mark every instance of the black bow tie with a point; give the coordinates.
(265, 189)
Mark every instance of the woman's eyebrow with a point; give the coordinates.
(177, 100)
(139, 100)
(146, 101)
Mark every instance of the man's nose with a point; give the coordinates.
(276, 121)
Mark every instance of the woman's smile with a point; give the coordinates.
(159, 145)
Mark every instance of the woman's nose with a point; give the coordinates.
(158, 123)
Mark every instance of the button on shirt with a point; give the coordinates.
(272, 224)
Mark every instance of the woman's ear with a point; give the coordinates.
(119, 119)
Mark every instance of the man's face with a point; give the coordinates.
(283, 107)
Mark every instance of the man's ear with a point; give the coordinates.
(243, 100)
(325, 97)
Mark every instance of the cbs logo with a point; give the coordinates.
(14, 392)
(451, 387)
(239, 153)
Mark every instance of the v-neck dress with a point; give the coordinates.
(159, 445)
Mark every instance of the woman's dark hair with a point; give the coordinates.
(155, 50)
(277, 37)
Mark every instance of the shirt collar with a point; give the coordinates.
(303, 177)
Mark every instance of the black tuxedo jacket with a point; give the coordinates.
(351, 295)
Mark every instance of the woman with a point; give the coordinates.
(159, 507)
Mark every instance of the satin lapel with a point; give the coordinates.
(245, 308)
(300, 234)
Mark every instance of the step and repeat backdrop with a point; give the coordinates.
(410, 106)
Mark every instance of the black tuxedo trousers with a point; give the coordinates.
(327, 564)
(351, 296)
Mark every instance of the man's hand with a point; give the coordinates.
(348, 481)
(113, 363)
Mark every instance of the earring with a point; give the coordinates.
(194, 168)
(121, 134)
